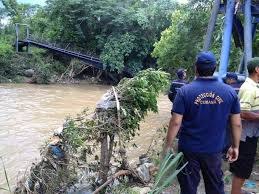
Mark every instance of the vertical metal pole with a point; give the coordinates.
(17, 37)
(27, 38)
(241, 68)
(253, 31)
(241, 65)
(27, 32)
(211, 26)
(247, 34)
(224, 57)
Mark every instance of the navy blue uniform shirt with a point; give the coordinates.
(175, 86)
(205, 105)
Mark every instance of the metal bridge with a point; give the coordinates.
(28, 41)
(243, 34)
(243, 31)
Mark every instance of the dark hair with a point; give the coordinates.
(205, 72)
(252, 64)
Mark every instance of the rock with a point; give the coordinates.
(115, 183)
(141, 190)
(58, 131)
(106, 102)
(80, 188)
(144, 159)
(143, 171)
(255, 176)
(29, 72)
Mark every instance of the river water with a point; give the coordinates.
(30, 113)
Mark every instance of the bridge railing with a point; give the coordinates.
(66, 46)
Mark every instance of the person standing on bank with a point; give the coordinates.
(176, 84)
(249, 103)
(203, 108)
(232, 80)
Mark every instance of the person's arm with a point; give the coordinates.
(174, 126)
(236, 130)
(175, 121)
(250, 116)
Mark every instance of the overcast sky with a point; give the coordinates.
(40, 2)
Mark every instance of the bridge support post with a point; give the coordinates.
(226, 44)
(211, 26)
(27, 37)
(242, 66)
(17, 37)
(247, 34)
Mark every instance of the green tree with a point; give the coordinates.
(180, 43)
(19, 12)
(127, 28)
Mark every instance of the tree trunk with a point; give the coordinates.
(106, 154)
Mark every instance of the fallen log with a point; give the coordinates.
(116, 175)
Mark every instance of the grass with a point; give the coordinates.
(6, 178)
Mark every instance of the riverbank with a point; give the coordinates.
(38, 109)
(82, 179)
(90, 132)
(42, 67)
(28, 115)
(55, 80)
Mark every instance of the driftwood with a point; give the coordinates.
(116, 175)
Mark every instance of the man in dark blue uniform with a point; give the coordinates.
(203, 108)
(232, 80)
(176, 84)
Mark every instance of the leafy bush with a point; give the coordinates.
(43, 73)
(6, 50)
(134, 97)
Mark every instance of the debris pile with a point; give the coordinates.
(79, 156)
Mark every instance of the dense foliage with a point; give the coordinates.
(180, 43)
(116, 117)
(137, 96)
(122, 33)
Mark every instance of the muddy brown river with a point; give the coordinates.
(30, 113)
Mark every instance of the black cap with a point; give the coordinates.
(232, 75)
(180, 72)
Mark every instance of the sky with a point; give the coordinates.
(40, 2)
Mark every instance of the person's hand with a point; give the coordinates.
(167, 151)
(232, 154)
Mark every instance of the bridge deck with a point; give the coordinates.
(95, 62)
